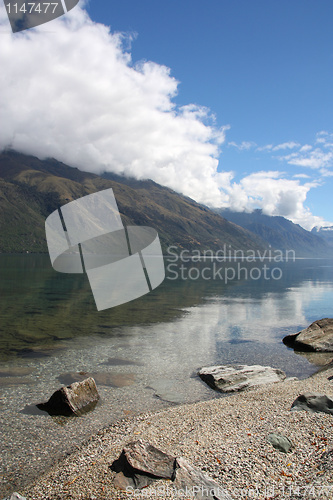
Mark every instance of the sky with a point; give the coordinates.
(228, 102)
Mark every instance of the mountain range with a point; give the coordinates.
(326, 233)
(281, 233)
(30, 189)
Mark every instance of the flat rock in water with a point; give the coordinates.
(317, 337)
(75, 399)
(168, 390)
(232, 378)
(314, 403)
(279, 442)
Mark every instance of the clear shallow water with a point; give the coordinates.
(144, 353)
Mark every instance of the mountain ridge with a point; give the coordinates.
(280, 233)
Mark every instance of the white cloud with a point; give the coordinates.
(268, 147)
(315, 159)
(325, 138)
(73, 93)
(301, 176)
(275, 195)
(305, 148)
(286, 145)
(243, 146)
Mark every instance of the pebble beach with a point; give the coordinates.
(225, 437)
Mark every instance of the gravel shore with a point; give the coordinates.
(224, 437)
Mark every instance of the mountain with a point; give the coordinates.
(280, 233)
(326, 233)
(30, 189)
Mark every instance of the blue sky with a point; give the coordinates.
(263, 67)
(244, 86)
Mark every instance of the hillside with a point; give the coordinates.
(30, 189)
(280, 233)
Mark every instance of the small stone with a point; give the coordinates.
(280, 442)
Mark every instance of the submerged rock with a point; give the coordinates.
(232, 378)
(116, 380)
(75, 399)
(317, 337)
(314, 403)
(168, 390)
(16, 371)
(280, 442)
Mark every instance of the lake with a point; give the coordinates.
(145, 354)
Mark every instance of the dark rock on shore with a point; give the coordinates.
(313, 403)
(140, 464)
(76, 399)
(317, 337)
(232, 378)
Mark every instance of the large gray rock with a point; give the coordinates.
(317, 337)
(232, 378)
(313, 403)
(75, 399)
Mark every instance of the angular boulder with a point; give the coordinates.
(141, 463)
(317, 337)
(145, 457)
(75, 399)
(233, 378)
(313, 403)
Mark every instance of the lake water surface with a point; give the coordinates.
(144, 354)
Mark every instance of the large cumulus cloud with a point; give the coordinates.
(69, 90)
